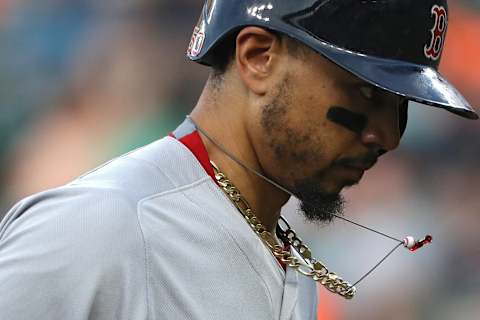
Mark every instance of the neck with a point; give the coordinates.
(223, 121)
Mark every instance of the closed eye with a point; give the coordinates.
(380, 96)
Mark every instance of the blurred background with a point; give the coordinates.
(82, 81)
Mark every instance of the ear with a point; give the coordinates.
(258, 52)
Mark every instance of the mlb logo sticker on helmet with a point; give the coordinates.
(197, 41)
(434, 49)
(198, 37)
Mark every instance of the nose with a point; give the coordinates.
(382, 133)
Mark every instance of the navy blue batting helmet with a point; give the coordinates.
(393, 44)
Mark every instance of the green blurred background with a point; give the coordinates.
(82, 81)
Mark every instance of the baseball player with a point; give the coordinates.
(304, 96)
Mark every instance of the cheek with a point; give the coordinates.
(322, 140)
(293, 137)
(306, 149)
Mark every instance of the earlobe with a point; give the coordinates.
(256, 51)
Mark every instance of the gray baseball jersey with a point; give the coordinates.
(148, 235)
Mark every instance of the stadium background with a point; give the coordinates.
(83, 81)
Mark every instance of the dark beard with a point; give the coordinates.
(316, 205)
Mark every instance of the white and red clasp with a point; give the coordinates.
(413, 245)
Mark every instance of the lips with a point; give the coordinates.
(363, 163)
(350, 176)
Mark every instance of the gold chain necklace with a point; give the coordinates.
(313, 268)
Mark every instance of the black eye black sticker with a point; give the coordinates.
(353, 121)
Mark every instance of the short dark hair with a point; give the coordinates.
(223, 54)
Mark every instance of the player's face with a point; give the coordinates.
(322, 129)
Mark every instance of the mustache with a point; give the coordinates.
(365, 161)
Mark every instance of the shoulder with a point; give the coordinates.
(71, 219)
(100, 207)
(155, 168)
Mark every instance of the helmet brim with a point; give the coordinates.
(415, 82)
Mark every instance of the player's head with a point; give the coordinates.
(326, 83)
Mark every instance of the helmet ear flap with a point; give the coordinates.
(403, 117)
